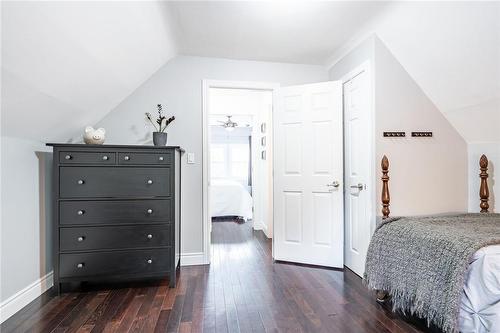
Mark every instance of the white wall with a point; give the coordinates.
(26, 221)
(492, 151)
(426, 175)
(365, 51)
(178, 86)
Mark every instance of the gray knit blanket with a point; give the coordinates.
(422, 262)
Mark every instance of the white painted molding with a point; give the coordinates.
(191, 259)
(25, 296)
(266, 231)
(258, 225)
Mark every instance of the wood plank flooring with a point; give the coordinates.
(241, 291)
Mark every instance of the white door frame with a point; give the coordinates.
(371, 181)
(206, 85)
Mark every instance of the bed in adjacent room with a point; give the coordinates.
(442, 268)
(230, 199)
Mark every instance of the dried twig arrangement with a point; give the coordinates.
(161, 121)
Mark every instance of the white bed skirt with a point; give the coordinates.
(480, 304)
(230, 198)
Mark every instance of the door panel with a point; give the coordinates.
(293, 148)
(322, 210)
(322, 140)
(308, 220)
(357, 126)
(293, 216)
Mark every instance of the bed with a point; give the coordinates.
(442, 268)
(230, 199)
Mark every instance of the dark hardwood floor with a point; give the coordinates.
(241, 291)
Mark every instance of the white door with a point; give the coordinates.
(308, 175)
(357, 127)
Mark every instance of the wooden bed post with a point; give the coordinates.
(386, 198)
(382, 295)
(484, 193)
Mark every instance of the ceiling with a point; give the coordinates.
(67, 64)
(306, 32)
(452, 51)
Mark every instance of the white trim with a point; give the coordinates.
(258, 225)
(25, 296)
(191, 259)
(206, 85)
(265, 229)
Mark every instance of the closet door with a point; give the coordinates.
(358, 141)
(308, 174)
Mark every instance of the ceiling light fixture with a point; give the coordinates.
(229, 125)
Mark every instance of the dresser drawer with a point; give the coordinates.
(114, 237)
(75, 157)
(109, 182)
(145, 158)
(115, 212)
(117, 263)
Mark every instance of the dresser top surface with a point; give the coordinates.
(81, 145)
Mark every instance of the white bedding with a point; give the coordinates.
(480, 304)
(230, 198)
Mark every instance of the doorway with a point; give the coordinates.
(237, 155)
(329, 178)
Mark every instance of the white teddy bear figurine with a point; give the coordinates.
(93, 136)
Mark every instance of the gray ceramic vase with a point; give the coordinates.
(160, 138)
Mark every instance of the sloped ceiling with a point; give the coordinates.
(66, 64)
(452, 50)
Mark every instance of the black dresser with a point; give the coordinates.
(117, 212)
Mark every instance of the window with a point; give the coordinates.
(230, 161)
(218, 158)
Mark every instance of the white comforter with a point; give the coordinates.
(229, 198)
(480, 305)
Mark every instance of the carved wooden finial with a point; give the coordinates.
(385, 187)
(484, 193)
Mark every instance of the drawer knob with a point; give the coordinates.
(67, 157)
(150, 261)
(80, 239)
(150, 211)
(150, 182)
(150, 236)
(80, 265)
(80, 182)
(126, 158)
(105, 158)
(81, 212)
(160, 158)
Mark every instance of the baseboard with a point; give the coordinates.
(25, 296)
(265, 229)
(191, 259)
(258, 225)
(261, 226)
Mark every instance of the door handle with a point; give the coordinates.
(334, 184)
(360, 186)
